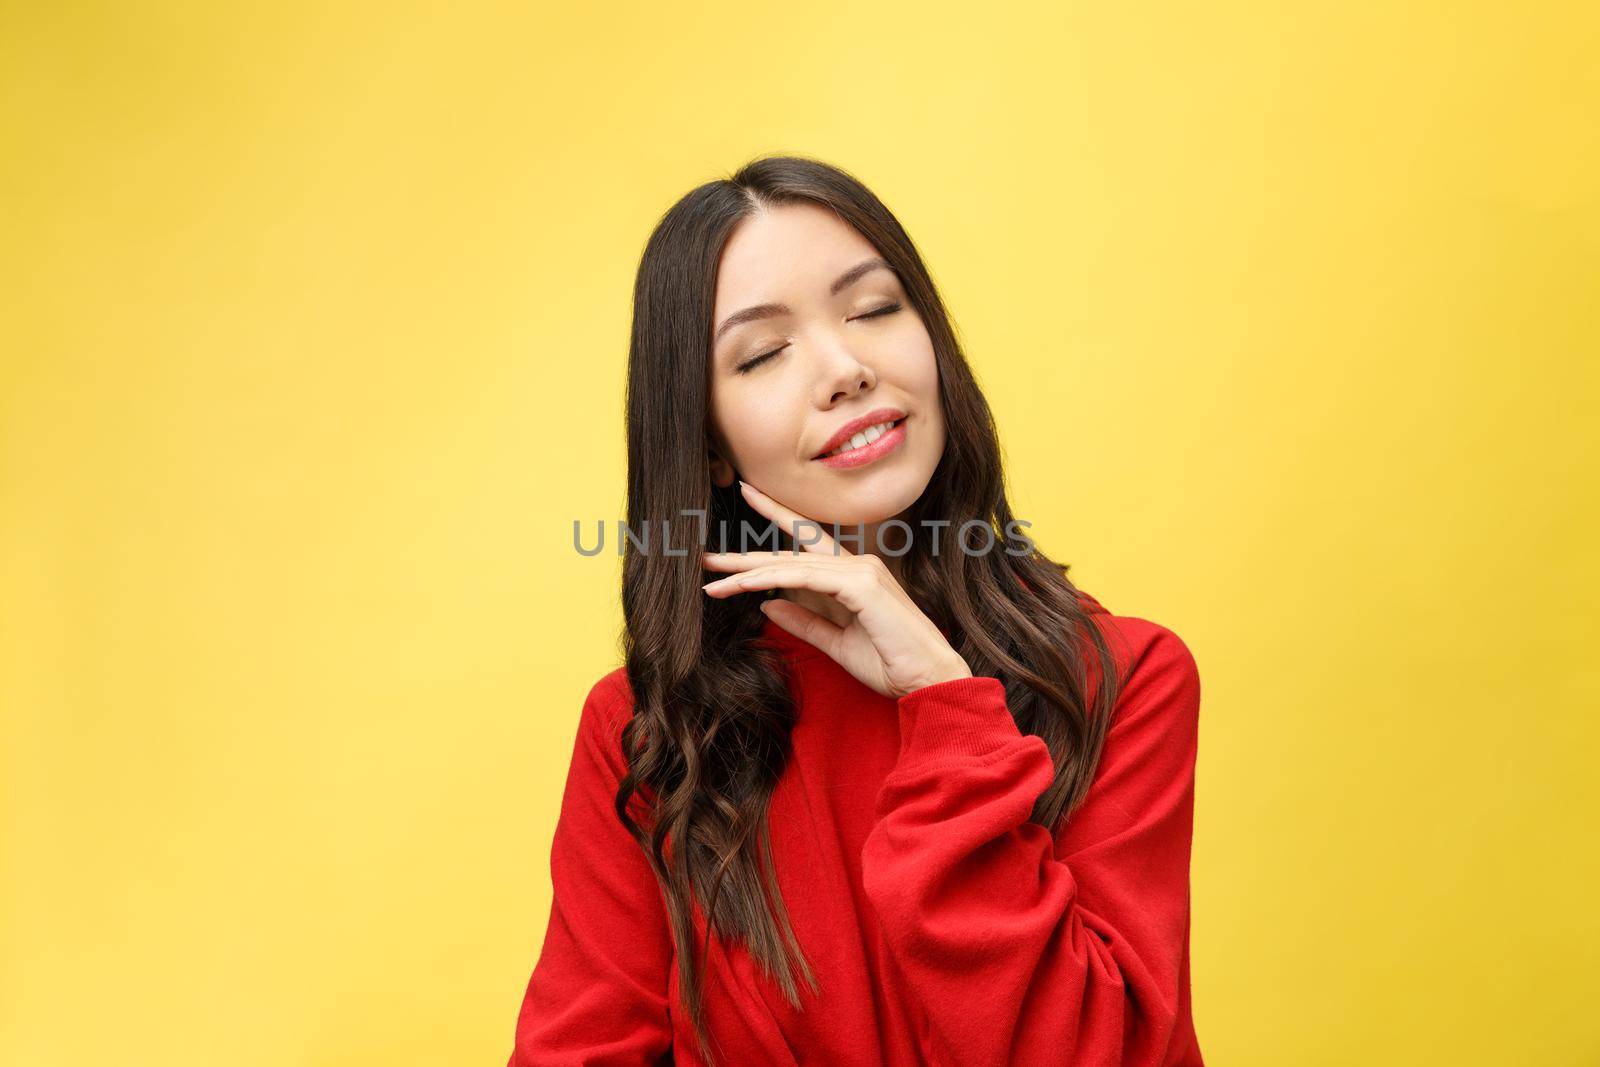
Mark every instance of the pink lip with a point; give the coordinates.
(855, 426)
(860, 457)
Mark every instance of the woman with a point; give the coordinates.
(878, 752)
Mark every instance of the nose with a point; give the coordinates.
(841, 374)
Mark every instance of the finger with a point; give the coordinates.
(849, 585)
(739, 561)
(739, 565)
(796, 525)
(805, 624)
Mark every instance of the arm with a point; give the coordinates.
(598, 994)
(1020, 950)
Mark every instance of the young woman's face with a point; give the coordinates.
(837, 352)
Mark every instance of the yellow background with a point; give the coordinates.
(314, 324)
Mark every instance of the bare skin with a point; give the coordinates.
(781, 386)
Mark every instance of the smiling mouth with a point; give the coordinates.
(863, 439)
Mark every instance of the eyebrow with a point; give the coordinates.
(764, 311)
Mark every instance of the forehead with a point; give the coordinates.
(789, 251)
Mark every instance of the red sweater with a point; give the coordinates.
(943, 927)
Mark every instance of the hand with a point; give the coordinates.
(889, 645)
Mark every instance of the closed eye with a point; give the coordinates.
(755, 361)
(887, 309)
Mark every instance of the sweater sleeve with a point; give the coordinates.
(598, 994)
(1021, 949)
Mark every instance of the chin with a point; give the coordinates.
(873, 504)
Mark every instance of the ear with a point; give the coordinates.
(722, 473)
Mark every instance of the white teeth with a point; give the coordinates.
(862, 439)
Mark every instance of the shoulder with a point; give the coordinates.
(606, 711)
(611, 696)
(607, 707)
(1150, 647)
(1158, 674)
(1142, 646)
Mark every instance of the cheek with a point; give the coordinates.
(917, 369)
(757, 425)
(920, 379)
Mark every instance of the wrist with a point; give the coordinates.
(949, 671)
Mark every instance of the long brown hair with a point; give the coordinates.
(712, 713)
